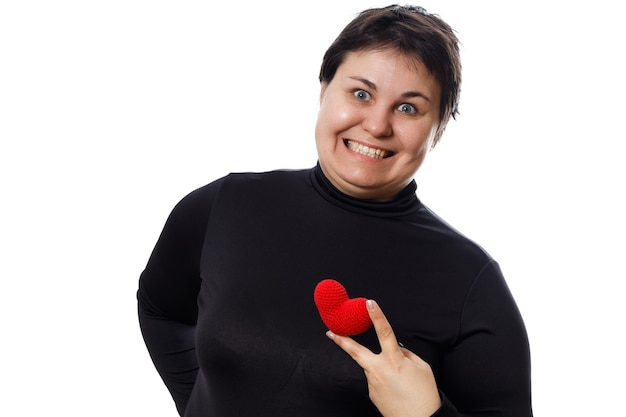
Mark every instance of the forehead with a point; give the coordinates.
(389, 66)
(390, 58)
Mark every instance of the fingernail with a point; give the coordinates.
(370, 304)
(330, 335)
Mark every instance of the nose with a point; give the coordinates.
(377, 122)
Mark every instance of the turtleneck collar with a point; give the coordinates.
(402, 204)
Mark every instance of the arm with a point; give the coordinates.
(168, 289)
(486, 372)
(171, 345)
(400, 383)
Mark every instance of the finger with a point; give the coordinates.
(410, 355)
(358, 352)
(384, 331)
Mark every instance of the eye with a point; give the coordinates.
(407, 108)
(361, 95)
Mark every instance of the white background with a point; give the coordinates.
(111, 111)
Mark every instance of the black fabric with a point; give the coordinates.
(226, 301)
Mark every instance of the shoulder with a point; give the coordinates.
(241, 186)
(199, 200)
(452, 244)
(206, 194)
(277, 184)
(268, 178)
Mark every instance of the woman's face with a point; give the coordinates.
(377, 120)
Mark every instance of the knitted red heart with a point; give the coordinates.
(342, 315)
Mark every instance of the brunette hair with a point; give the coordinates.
(412, 31)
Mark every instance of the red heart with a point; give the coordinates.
(342, 315)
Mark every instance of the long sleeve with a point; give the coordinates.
(241, 258)
(167, 294)
(487, 371)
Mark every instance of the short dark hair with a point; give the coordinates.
(412, 31)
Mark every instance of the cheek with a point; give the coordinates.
(324, 132)
(334, 116)
(420, 141)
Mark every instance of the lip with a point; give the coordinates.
(368, 151)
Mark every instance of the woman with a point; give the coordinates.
(226, 300)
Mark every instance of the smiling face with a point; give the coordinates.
(377, 120)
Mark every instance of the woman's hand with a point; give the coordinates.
(400, 383)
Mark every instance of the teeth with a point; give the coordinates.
(367, 151)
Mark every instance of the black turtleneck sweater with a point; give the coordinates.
(226, 301)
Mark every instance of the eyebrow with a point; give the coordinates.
(407, 94)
